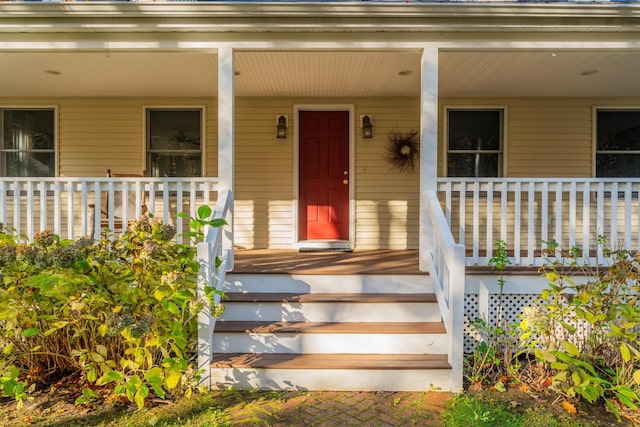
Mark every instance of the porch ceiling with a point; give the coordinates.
(320, 73)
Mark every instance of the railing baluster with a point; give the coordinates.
(517, 220)
(83, 222)
(504, 205)
(43, 205)
(179, 208)
(30, 231)
(489, 240)
(17, 188)
(627, 216)
(600, 218)
(544, 232)
(165, 202)
(462, 215)
(57, 221)
(573, 215)
(559, 217)
(531, 229)
(70, 211)
(614, 216)
(586, 222)
(3, 203)
(476, 221)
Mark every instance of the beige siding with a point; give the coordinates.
(386, 201)
(546, 137)
(96, 134)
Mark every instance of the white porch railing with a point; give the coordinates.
(445, 261)
(63, 205)
(526, 212)
(218, 244)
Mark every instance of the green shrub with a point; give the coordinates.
(585, 329)
(120, 312)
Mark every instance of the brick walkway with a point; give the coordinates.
(340, 409)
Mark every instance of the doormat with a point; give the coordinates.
(325, 250)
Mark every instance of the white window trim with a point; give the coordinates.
(56, 137)
(594, 132)
(503, 142)
(203, 130)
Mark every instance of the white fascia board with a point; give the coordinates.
(327, 17)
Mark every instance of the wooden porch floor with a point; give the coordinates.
(283, 261)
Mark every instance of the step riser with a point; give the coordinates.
(328, 284)
(330, 343)
(332, 379)
(332, 312)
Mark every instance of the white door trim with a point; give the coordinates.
(296, 177)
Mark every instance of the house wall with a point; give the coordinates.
(96, 134)
(386, 201)
(545, 137)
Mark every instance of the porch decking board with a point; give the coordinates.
(375, 262)
(328, 297)
(283, 261)
(331, 327)
(330, 361)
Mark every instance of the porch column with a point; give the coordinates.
(428, 140)
(226, 141)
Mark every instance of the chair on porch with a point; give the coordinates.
(118, 208)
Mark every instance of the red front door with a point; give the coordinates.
(324, 175)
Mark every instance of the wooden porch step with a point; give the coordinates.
(261, 327)
(329, 361)
(330, 297)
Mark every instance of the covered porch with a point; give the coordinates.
(541, 72)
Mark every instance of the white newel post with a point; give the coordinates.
(226, 140)
(428, 143)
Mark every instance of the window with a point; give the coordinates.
(27, 146)
(174, 146)
(474, 142)
(618, 143)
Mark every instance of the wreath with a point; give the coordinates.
(403, 149)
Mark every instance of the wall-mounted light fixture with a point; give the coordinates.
(281, 126)
(367, 126)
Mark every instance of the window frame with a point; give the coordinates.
(502, 151)
(594, 133)
(147, 140)
(55, 149)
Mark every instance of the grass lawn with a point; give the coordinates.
(515, 408)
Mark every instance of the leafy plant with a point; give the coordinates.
(122, 312)
(585, 328)
(494, 358)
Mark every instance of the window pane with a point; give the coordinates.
(473, 165)
(474, 129)
(28, 164)
(28, 129)
(618, 165)
(174, 129)
(618, 130)
(175, 164)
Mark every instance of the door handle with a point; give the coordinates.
(345, 181)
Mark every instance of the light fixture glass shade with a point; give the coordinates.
(367, 127)
(281, 127)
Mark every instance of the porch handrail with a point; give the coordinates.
(446, 265)
(217, 245)
(527, 212)
(62, 204)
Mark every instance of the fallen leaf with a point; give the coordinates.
(524, 387)
(569, 407)
(515, 403)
